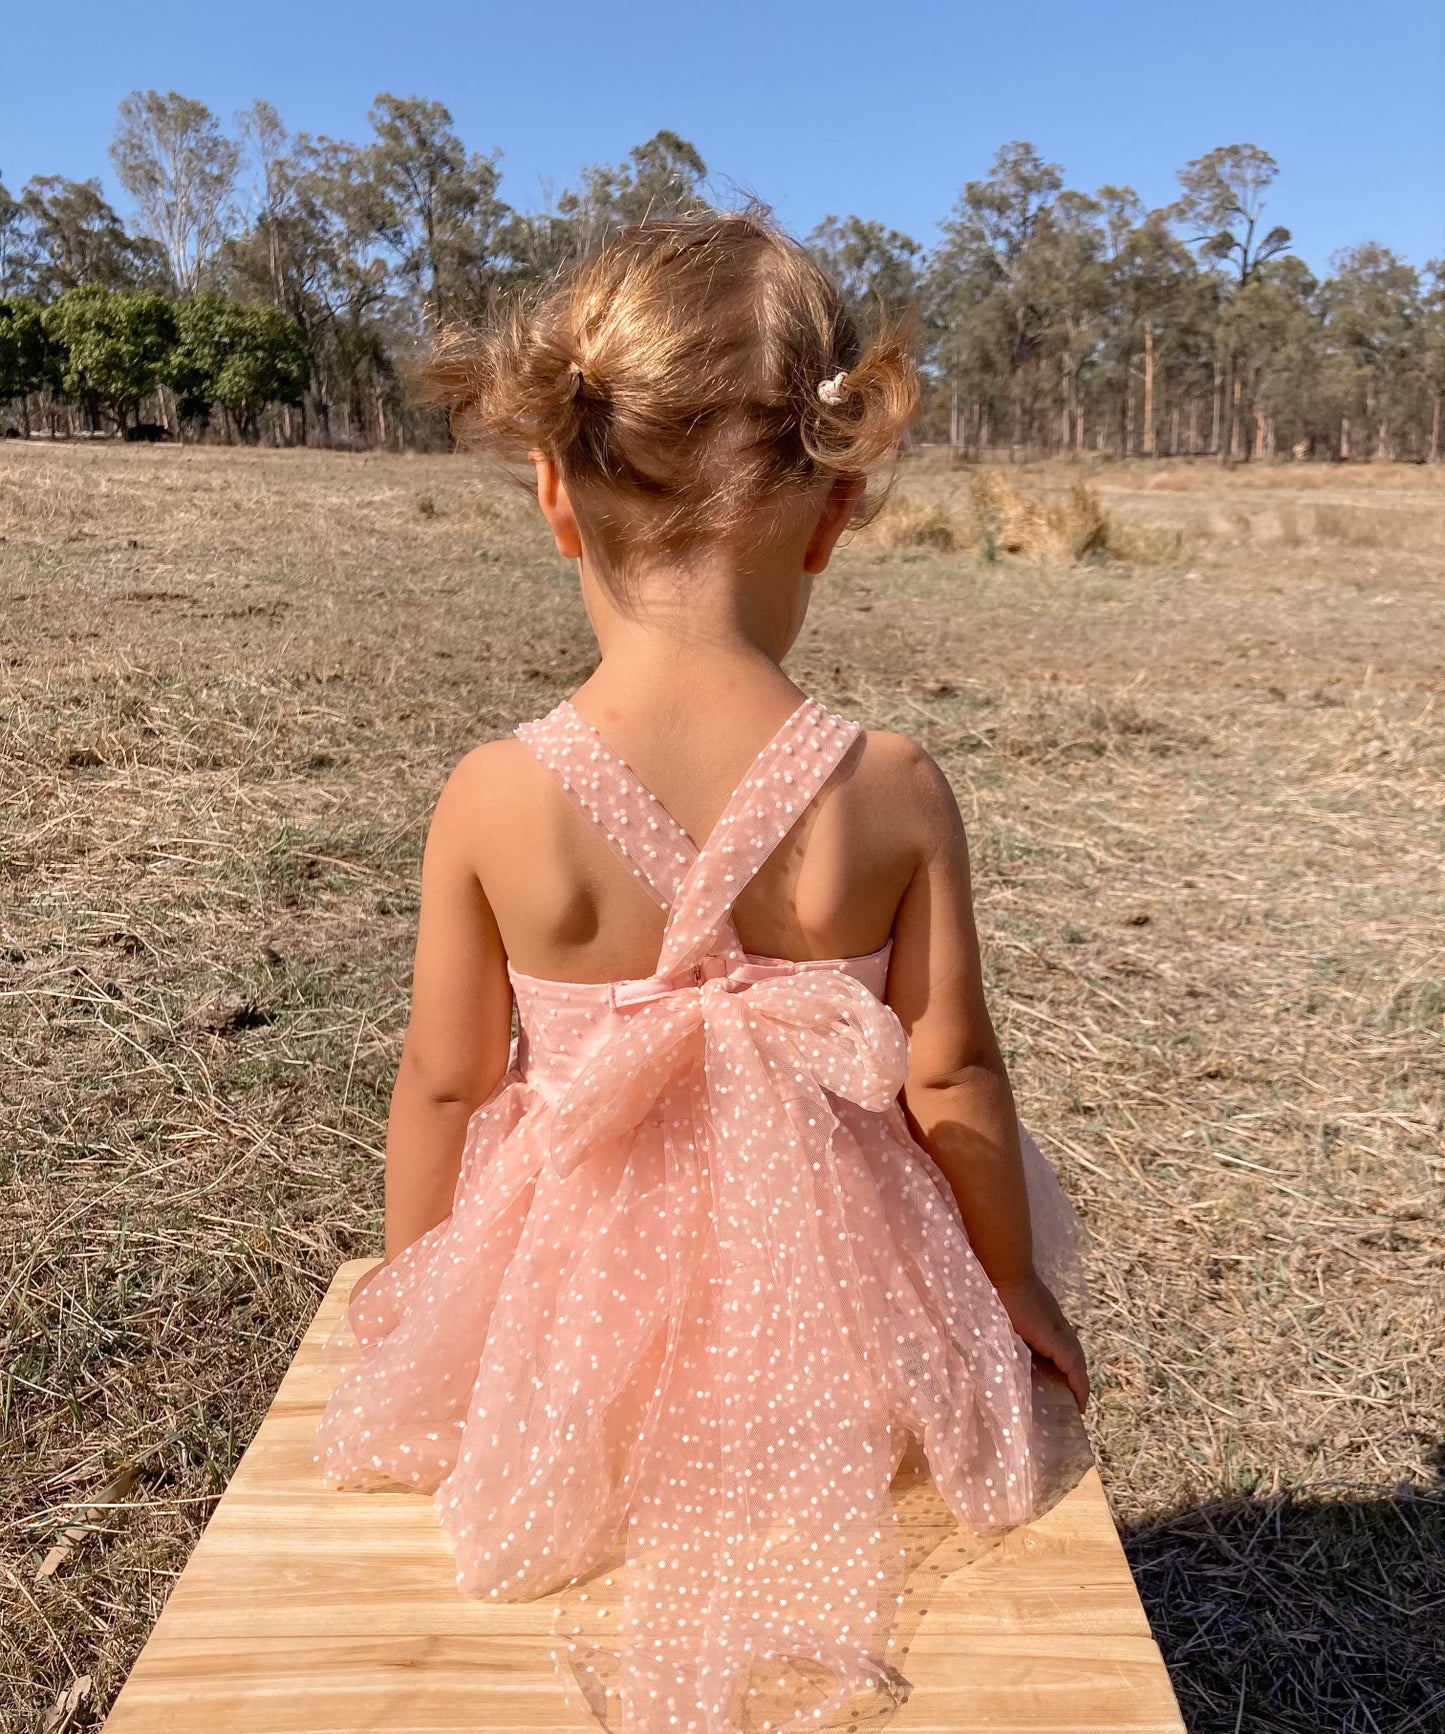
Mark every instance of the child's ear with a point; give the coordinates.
(556, 507)
(838, 509)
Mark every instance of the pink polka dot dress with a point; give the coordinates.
(698, 1292)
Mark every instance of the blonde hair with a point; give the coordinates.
(673, 377)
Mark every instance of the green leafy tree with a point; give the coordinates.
(243, 357)
(266, 364)
(26, 359)
(171, 156)
(193, 366)
(113, 346)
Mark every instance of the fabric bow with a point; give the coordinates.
(771, 1037)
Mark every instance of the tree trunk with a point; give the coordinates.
(953, 416)
(1174, 431)
(1149, 388)
(1344, 439)
(1236, 420)
(1230, 405)
(1216, 430)
(1434, 457)
(1194, 427)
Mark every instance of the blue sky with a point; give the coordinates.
(884, 111)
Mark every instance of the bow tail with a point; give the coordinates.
(766, 1554)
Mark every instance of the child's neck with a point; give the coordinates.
(706, 637)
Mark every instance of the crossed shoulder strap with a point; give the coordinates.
(698, 888)
(637, 825)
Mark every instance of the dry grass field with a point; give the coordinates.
(1203, 766)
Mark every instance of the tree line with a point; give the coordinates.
(276, 285)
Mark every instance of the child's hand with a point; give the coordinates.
(1039, 1320)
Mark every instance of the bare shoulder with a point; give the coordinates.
(897, 777)
(490, 768)
(481, 787)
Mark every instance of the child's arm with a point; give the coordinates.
(957, 1096)
(459, 1033)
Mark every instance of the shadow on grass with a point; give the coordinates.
(1321, 1612)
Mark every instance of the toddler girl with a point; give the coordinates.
(673, 1283)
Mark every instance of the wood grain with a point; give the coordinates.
(306, 1611)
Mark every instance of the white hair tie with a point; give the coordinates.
(834, 390)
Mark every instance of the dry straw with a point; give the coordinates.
(1204, 807)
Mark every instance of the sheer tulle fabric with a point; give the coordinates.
(698, 1292)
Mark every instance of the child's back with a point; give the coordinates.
(562, 907)
(673, 1284)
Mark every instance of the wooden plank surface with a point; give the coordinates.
(306, 1611)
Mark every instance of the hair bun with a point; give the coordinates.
(728, 365)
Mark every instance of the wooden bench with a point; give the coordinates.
(304, 1611)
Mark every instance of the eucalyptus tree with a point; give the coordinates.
(665, 176)
(877, 268)
(990, 276)
(1075, 245)
(313, 249)
(1274, 329)
(16, 247)
(1433, 354)
(171, 156)
(72, 237)
(1221, 211)
(1373, 329)
(267, 161)
(1150, 274)
(436, 205)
